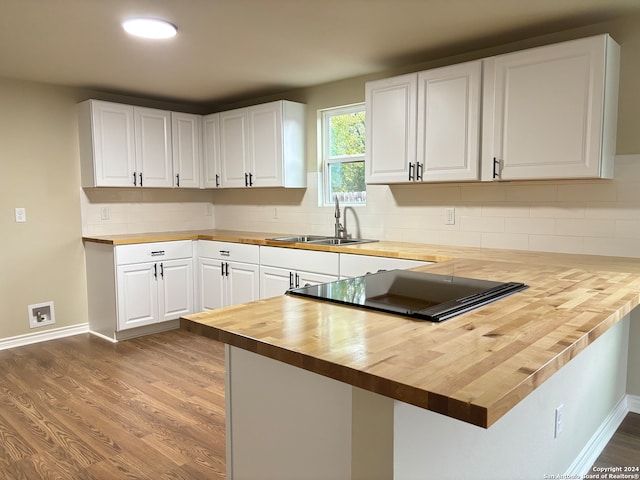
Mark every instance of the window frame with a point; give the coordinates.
(324, 140)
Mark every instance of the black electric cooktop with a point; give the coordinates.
(421, 295)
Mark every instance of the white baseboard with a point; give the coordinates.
(633, 403)
(592, 450)
(28, 339)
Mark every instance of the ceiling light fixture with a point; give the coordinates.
(149, 28)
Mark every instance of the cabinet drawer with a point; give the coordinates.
(148, 252)
(238, 252)
(293, 259)
(355, 265)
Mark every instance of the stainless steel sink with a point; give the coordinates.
(299, 238)
(320, 240)
(340, 241)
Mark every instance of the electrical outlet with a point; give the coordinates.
(104, 213)
(41, 314)
(275, 213)
(450, 216)
(21, 214)
(559, 424)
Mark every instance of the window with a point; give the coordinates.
(342, 133)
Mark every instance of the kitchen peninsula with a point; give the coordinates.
(317, 390)
(354, 393)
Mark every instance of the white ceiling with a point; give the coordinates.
(230, 49)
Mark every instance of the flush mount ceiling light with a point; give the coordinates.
(149, 28)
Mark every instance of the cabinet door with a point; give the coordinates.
(113, 144)
(211, 151)
(211, 284)
(137, 295)
(153, 147)
(176, 288)
(303, 279)
(234, 151)
(545, 111)
(265, 141)
(274, 281)
(449, 123)
(390, 129)
(186, 139)
(243, 283)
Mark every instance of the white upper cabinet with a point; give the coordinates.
(124, 146)
(153, 147)
(425, 126)
(263, 146)
(550, 112)
(234, 148)
(390, 118)
(211, 170)
(107, 145)
(186, 135)
(449, 123)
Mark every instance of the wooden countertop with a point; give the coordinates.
(474, 367)
(383, 248)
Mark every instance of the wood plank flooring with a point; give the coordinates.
(148, 408)
(82, 408)
(623, 450)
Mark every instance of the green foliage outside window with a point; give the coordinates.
(347, 138)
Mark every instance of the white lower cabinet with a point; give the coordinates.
(138, 289)
(352, 265)
(285, 268)
(227, 274)
(154, 292)
(145, 288)
(276, 281)
(154, 282)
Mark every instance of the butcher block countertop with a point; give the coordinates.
(474, 367)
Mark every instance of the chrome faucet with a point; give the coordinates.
(340, 231)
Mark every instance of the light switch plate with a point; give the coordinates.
(21, 215)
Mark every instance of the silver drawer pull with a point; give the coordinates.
(157, 253)
(225, 253)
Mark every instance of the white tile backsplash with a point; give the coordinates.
(582, 216)
(137, 211)
(586, 216)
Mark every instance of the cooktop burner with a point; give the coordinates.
(422, 295)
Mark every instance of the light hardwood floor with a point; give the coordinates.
(81, 408)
